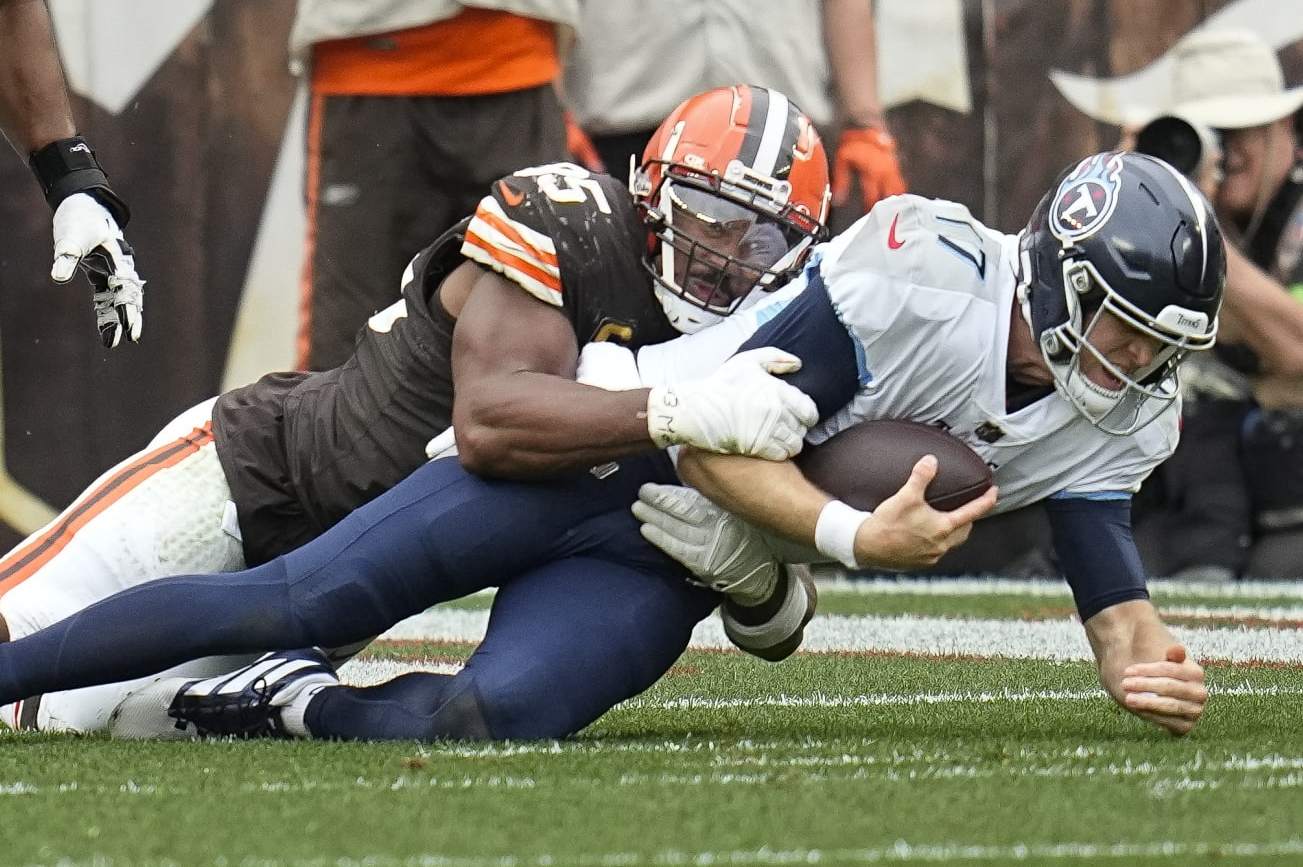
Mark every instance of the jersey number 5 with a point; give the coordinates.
(568, 184)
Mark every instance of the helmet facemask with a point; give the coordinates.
(1098, 318)
(718, 238)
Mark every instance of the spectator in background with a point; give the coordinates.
(417, 106)
(635, 61)
(1231, 499)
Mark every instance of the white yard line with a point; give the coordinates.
(1245, 590)
(737, 764)
(930, 636)
(821, 700)
(899, 852)
(365, 672)
(1272, 614)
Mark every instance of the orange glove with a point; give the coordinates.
(581, 147)
(871, 155)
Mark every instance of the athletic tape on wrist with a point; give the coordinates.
(661, 403)
(834, 532)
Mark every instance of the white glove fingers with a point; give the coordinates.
(677, 500)
(798, 405)
(791, 438)
(65, 265)
(668, 544)
(771, 359)
(687, 532)
(135, 321)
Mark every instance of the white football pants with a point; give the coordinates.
(164, 511)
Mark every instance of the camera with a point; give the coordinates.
(1187, 146)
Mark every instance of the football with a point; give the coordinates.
(868, 462)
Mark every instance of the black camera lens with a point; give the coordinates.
(1173, 140)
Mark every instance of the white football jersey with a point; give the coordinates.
(927, 294)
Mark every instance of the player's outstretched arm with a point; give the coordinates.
(519, 413)
(904, 532)
(1141, 665)
(88, 216)
(1144, 668)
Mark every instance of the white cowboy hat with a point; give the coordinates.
(1230, 79)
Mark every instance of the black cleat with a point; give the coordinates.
(247, 703)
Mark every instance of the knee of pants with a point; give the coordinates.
(478, 710)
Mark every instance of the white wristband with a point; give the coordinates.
(834, 532)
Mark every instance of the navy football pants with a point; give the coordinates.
(438, 535)
(565, 643)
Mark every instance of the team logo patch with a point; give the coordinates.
(1086, 198)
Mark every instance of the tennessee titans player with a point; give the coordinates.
(1053, 354)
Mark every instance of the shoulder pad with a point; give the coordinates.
(500, 236)
(542, 226)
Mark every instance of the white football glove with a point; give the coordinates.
(442, 446)
(608, 365)
(86, 234)
(722, 551)
(741, 408)
(728, 555)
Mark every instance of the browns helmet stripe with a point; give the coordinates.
(773, 133)
(756, 107)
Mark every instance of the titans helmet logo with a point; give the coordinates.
(1086, 198)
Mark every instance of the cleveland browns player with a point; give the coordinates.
(732, 195)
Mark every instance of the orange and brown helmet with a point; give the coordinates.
(734, 188)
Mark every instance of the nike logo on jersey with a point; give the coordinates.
(512, 197)
(892, 241)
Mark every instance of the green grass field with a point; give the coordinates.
(936, 724)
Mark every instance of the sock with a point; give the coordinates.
(296, 706)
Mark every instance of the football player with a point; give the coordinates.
(1057, 350)
(1053, 354)
(733, 195)
(88, 215)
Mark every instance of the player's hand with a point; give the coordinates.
(742, 408)
(868, 155)
(722, 551)
(581, 147)
(86, 235)
(904, 532)
(1170, 694)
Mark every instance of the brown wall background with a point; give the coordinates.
(194, 155)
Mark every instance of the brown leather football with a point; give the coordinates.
(868, 462)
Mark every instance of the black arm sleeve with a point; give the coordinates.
(808, 328)
(1096, 551)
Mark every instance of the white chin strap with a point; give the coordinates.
(1121, 411)
(685, 316)
(1093, 401)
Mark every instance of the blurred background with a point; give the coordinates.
(193, 110)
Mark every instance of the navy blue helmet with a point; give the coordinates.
(1126, 235)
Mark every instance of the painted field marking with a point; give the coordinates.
(901, 851)
(1158, 587)
(930, 636)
